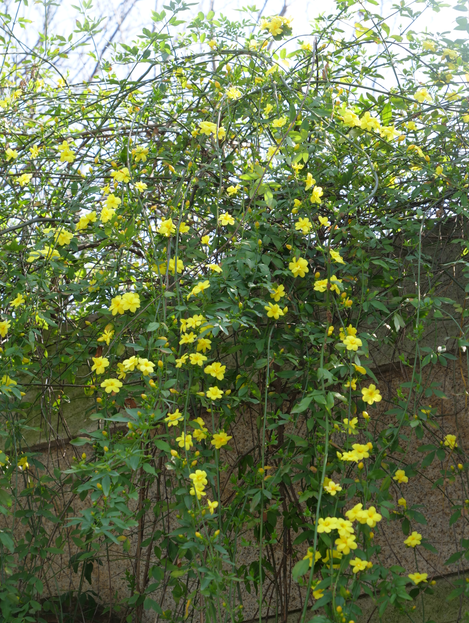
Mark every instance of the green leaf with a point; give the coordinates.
(300, 569)
(303, 405)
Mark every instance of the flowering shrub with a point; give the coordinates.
(225, 240)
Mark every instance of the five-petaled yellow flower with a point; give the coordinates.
(226, 219)
(371, 394)
(220, 439)
(304, 225)
(418, 577)
(299, 267)
(274, 310)
(214, 393)
(352, 343)
(400, 477)
(111, 385)
(99, 364)
(413, 540)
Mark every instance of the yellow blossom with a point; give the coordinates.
(17, 301)
(216, 370)
(24, 179)
(197, 359)
(358, 565)
(299, 267)
(111, 385)
(167, 227)
(185, 441)
(352, 343)
(99, 364)
(274, 311)
(226, 219)
(400, 477)
(317, 194)
(277, 293)
(212, 506)
(279, 123)
(4, 326)
(203, 344)
(310, 181)
(413, 540)
(123, 175)
(332, 487)
(324, 221)
(371, 394)
(173, 419)
(418, 577)
(304, 225)
(450, 441)
(220, 439)
(214, 393)
(421, 95)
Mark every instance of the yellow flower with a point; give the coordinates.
(112, 202)
(199, 478)
(389, 133)
(34, 151)
(345, 543)
(123, 175)
(413, 540)
(354, 513)
(11, 154)
(220, 439)
(429, 45)
(309, 556)
(421, 95)
(121, 373)
(233, 93)
(214, 393)
(18, 300)
(99, 364)
(85, 220)
(418, 577)
(182, 360)
(327, 524)
(188, 338)
(212, 506)
(402, 502)
(400, 477)
(358, 565)
(4, 326)
(310, 181)
(232, 190)
(207, 128)
(352, 343)
(117, 305)
(317, 592)
(350, 118)
(131, 301)
(371, 394)
(212, 43)
(48, 253)
(140, 186)
(185, 441)
(226, 219)
(360, 369)
(197, 359)
(200, 433)
(140, 153)
(106, 336)
(205, 240)
(167, 227)
(369, 516)
(308, 47)
(277, 293)
(215, 268)
(450, 441)
(279, 123)
(330, 330)
(200, 287)
(367, 122)
(203, 344)
(317, 194)
(274, 311)
(145, 366)
(352, 424)
(111, 385)
(216, 370)
(173, 419)
(299, 267)
(268, 109)
(332, 487)
(336, 257)
(130, 364)
(107, 214)
(24, 179)
(304, 225)
(324, 221)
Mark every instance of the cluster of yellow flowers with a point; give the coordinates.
(276, 25)
(130, 301)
